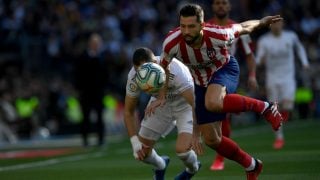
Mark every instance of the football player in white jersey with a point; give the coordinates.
(276, 50)
(178, 111)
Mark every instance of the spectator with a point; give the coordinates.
(90, 81)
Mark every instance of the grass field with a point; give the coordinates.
(298, 160)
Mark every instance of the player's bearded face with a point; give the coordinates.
(190, 29)
(191, 39)
(221, 8)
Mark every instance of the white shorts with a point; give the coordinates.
(279, 91)
(162, 122)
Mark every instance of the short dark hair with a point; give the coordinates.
(142, 54)
(192, 10)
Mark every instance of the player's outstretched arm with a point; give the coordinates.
(129, 116)
(130, 122)
(251, 25)
(161, 99)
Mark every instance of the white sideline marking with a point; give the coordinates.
(51, 161)
(160, 145)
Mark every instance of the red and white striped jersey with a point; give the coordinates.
(244, 42)
(203, 61)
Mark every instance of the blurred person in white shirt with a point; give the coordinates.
(276, 50)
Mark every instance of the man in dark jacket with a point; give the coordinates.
(90, 81)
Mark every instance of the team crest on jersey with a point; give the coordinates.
(211, 53)
(133, 87)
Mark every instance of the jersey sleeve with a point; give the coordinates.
(182, 79)
(236, 28)
(245, 43)
(170, 47)
(261, 50)
(223, 33)
(301, 52)
(132, 88)
(165, 59)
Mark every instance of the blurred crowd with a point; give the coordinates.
(41, 40)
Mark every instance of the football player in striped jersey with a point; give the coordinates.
(204, 49)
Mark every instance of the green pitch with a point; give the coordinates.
(298, 160)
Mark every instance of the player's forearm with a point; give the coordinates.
(251, 25)
(130, 124)
(129, 115)
(251, 65)
(189, 97)
(302, 55)
(163, 91)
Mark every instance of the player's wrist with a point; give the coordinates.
(252, 74)
(136, 145)
(134, 140)
(262, 22)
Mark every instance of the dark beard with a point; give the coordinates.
(190, 42)
(221, 16)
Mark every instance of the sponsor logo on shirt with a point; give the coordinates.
(201, 66)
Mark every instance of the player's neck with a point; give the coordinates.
(221, 21)
(277, 34)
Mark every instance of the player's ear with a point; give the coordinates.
(135, 67)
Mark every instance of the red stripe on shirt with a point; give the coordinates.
(164, 63)
(172, 31)
(185, 58)
(215, 35)
(225, 53)
(199, 58)
(209, 44)
(184, 52)
(167, 48)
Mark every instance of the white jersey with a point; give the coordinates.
(176, 111)
(278, 53)
(180, 80)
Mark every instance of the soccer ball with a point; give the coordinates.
(150, 77)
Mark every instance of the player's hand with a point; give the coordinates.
(143, 152)
(139, 149)
(306, 67)
(197, 145)
(153, 105)
(268, 20)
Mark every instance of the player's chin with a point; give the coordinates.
(189, 42)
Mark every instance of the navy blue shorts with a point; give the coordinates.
(227, 76)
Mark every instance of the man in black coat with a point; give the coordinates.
(90, 82)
